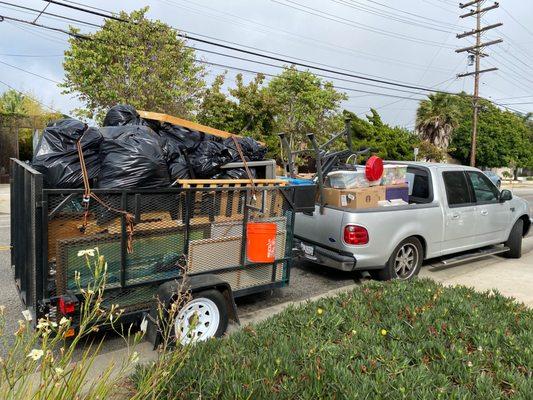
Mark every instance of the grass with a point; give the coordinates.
(385, 340)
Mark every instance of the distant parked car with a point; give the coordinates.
(493, 176)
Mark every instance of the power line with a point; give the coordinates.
(345, 21)
(29, 72)
(263, 63)
(390, 17)
(34, 99)
(282, 58)
(235, 19)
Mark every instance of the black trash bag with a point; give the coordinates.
(208, 157)
(179, 167)
(56, 156)
(132, 157)
(236, 173)
(185, 139)
(122, 114)
(251, 149)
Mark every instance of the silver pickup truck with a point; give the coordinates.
(455, 213)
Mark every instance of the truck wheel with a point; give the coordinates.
(515, 241)
(202, 318)
(404, 262)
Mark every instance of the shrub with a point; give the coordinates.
(385, 340)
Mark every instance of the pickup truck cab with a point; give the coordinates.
(453, 212)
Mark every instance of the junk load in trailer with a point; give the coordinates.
(131, 151)
(220, 239)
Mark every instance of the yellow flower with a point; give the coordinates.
(64, 321)
(278, 361)
(319, 311)
(354, 331)
(383, 332)
(35, 354)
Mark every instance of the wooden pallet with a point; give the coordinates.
(229, 183)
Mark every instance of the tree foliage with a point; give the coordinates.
(503, 138)
(390, 143)
(294, 102)
(143, 63)
(436, 118)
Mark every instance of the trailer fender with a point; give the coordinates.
(168, 291)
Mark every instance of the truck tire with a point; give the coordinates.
(404, 262)
(515, 241)
(203, 317)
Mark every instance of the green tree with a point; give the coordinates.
(305, 103)
(143, 63)
(12, 102)
(293, 102)
(390, 143)
(436, 118)
(503, 137)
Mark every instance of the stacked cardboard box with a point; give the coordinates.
(354, 198)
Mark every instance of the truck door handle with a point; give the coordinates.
(484, 212)
(455, 216)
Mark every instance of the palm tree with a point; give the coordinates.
(436, 118)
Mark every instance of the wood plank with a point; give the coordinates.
(187, 124)
(189, 182)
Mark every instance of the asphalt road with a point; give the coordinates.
(307, 280)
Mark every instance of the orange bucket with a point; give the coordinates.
(261, 241)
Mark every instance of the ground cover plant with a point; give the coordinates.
(384, 340)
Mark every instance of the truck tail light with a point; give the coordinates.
(355, 234)
(66, 306)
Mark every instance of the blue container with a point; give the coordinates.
(397, 192)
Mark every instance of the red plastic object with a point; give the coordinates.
(355, 234)
(374, 168)
(261, 241)
(65, 306)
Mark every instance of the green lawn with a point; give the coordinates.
(383, 340)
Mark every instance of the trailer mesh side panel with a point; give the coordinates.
(191, 230)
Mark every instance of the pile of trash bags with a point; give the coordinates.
(131, 152)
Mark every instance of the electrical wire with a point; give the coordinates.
(348, 22)
(304, 63)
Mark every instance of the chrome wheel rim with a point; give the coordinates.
(406, 261)
(198, 320)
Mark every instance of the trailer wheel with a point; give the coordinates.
(404, 262)
(202, 318)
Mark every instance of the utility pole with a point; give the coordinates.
(477, 52)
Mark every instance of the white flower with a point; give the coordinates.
(59, 371)
(64, 321)
(134, 357)
(2, 309)
(88, 252)
(480, 349)
(42, 324)
(35, 354)
(469, 363)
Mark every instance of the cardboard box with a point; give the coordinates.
(354, 198)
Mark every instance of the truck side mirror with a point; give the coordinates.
(505, 195)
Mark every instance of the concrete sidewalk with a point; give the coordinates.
(513, 278)
(4, 199)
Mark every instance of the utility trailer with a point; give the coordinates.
(198, 230)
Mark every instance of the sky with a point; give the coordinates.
(410, 42)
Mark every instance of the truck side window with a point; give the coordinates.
(457, 191)
(484, 190)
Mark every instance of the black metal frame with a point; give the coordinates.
(29, 236)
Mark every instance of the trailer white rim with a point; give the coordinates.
(198, 320)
